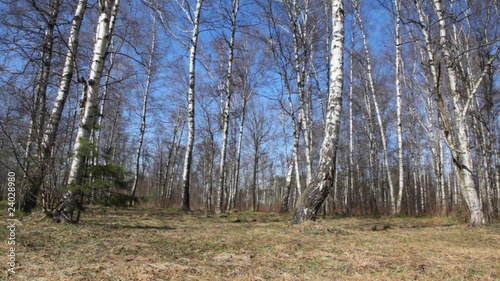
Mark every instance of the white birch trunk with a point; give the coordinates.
(415, 183)
(103, 105)
(296, 139)
(50, 133)
(90, 109)
(307, 127)
(227, 108)
(279, 52)
(64, 86)
(37, 122)
(462, 157)
(350, 185)
(142, 129)
(107, 10)
(238, 150)
(377, 110)
(285, 201)
(301, 56)
(288, 184)
(318, 190)
(188, 158)
(96, 138)
(435, 80)
(298, 183)
(398, 107)
(373, 167)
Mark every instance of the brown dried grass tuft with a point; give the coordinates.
(158, 244)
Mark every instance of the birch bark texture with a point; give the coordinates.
(50, 134)
(316, 193)
(227, 107)
(401, 179)
(107, 14)
(188, 158)
(462, 157)
(454, 124)
(298, 22)
(64, 86)
(37, 122)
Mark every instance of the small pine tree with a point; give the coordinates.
(105, 184)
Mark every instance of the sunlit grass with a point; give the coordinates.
(157, 244)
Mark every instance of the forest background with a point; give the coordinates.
(418, 104)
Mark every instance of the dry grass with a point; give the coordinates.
(157, 244)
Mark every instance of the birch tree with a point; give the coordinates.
(235, 7)
(460, 93)
(50, 133)
(377, 108)
(142, 129)
(241, 127)
(350, 186)
(188, 158)
(282, 57)
(298, 15)
(259, 132)
(398, 60)
(37, 121)
(249, 74)
(316, 193)
(108, 10)
(461, 99)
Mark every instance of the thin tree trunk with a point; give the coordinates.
(143, 113)
(318, 190)
(188, 158)
(227, 108)
(288, 184)
(209, 182)
(238, 149)
(72, 200)
(376, 195)
(350, 185)
(377, 110)
(279, 53)
(442, 178)
(255, 179)
(296, 124)
(398, 107)
(301, 55)
(178, 129)
(37, 123)
(103, 105)
(415, 184)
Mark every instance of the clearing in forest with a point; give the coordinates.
(159, 244)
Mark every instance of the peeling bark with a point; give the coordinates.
(316, 193)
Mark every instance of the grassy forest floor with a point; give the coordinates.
(158, 244)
